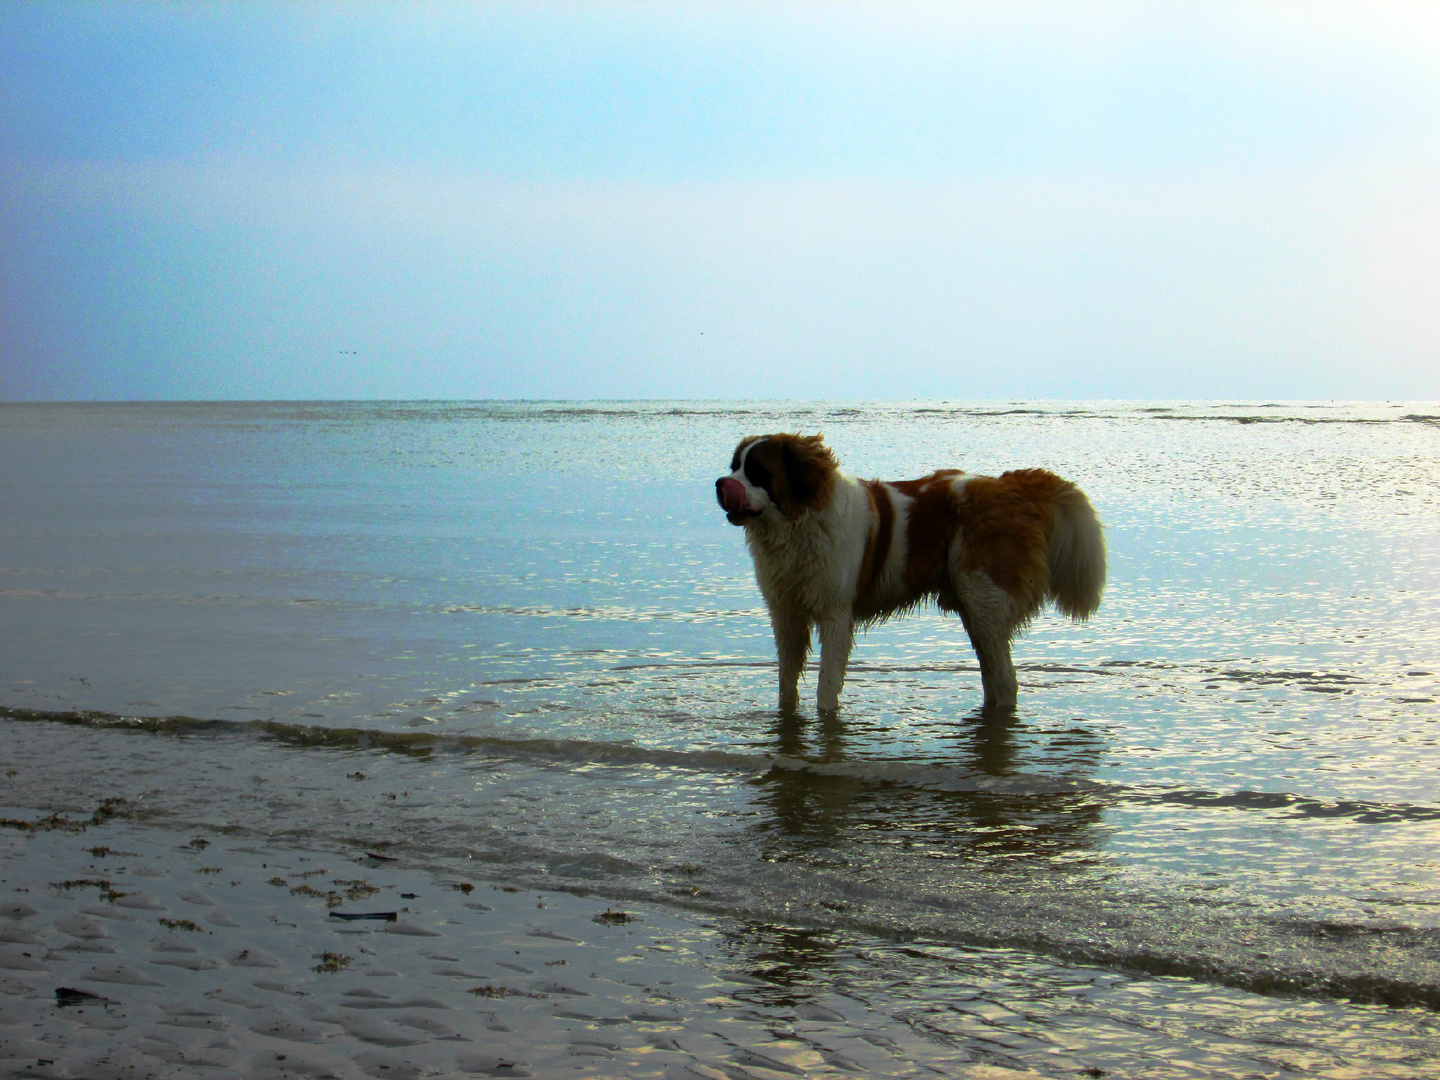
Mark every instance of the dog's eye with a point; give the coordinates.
(735, 461)
(757, 473)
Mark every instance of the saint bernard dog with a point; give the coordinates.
(832, 552)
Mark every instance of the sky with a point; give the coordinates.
(841, 200)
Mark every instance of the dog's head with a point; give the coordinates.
(776, 475)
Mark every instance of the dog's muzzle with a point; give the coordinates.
(730, 494)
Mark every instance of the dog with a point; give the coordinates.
(833, 553)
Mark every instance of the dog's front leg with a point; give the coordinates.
(837, 634)
(792, 645)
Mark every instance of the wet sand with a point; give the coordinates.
(128, 951)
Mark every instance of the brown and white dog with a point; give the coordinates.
(834, 552)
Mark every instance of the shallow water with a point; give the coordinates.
(532, 626)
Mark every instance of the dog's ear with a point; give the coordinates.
(809, 472)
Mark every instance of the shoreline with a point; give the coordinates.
(132, 950)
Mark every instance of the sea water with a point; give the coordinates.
(521, 639)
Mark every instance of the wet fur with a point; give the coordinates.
(832, 553)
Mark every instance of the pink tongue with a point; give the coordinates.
(732, 495)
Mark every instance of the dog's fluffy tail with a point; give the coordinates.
(1077, 555)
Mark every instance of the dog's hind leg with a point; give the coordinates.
(997, 671)
(792, 645)
(991, 617)
(837, 635)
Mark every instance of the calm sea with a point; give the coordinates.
(1207, 845)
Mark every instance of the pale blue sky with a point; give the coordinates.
(1158, 200)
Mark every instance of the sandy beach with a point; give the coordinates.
(133, 952)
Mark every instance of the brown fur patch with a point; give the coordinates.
(801, 471)
(877, 544)
(1007, 522)
(933, 519)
